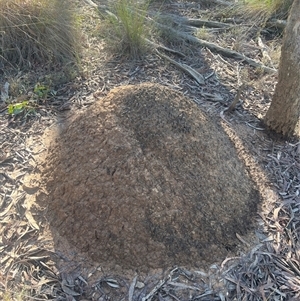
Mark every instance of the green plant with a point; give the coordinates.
(37, 32)
(127, 23)
(28, 106)
(21, 107)
(41, 91)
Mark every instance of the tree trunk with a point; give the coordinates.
(284, 112)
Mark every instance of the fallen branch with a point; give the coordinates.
(196, 22)
(216, 48)
(205, 23)
(279, 24)
(165, 48)
(189, 70)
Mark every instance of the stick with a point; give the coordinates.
(189, 70)
(164, 48)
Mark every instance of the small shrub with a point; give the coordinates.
(127, 23)
(37, 32)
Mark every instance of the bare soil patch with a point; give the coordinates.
(144, 179)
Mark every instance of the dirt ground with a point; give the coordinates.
(133, 182)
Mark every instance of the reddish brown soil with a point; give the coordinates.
(144, 179)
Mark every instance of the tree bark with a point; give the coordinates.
(284, 112)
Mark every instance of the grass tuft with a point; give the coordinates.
(203, 33)
(270, 8)
(127, 25)
(35, 32)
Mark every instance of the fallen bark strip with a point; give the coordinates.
(91, 3)
(205, 23)
(272, 23)
(264, 51)
(195, 22)
(189, 70)
(100, 7)
(164, 48)
(201, 23)
(216, 48)
(279, 24)
(236, 99)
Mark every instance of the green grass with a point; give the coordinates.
(37, 32)
(127, 27)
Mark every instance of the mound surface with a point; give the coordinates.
(144, 179)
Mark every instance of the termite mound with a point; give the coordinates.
(144, 179)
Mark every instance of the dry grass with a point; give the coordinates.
(270, 8)
(203, 33)
(260, 11)
(9, 295)
(34, 32)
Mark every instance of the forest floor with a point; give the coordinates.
(37, 263)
